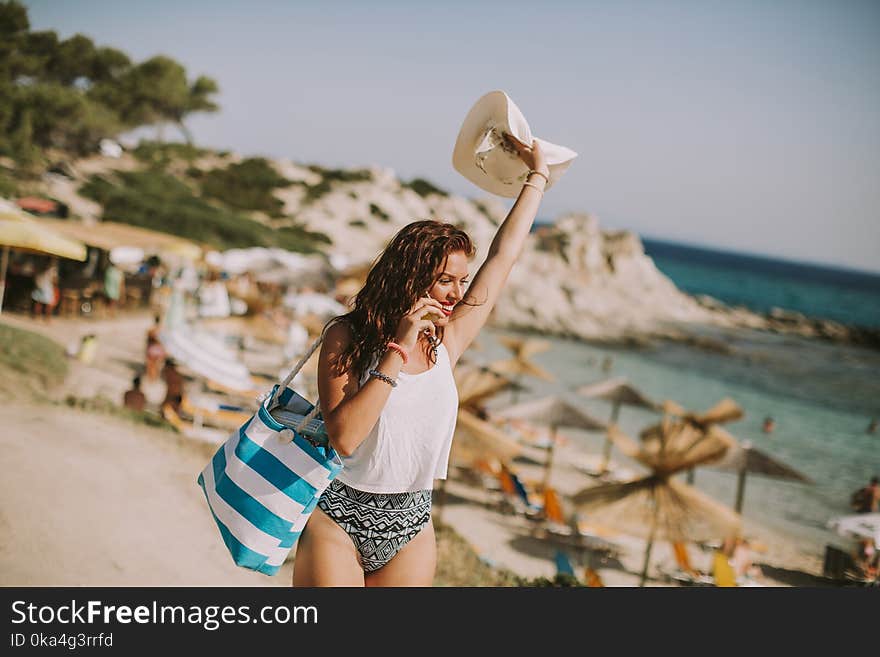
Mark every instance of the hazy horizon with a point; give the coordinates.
(750, 127)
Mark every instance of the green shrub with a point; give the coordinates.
(378, 212)
(485, 212)
(559, 580)
(329, 177)
(8, 188)
(247, 185)
(160, 154)
(423, 188)
(299, 238)
(159, 201)
(29, 363)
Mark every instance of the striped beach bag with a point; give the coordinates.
(265, 480)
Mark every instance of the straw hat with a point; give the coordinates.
(483, 156)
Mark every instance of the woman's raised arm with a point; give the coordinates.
(469, 317)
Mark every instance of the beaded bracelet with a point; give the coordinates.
(543, 175)
(376, 374)
(400, 350)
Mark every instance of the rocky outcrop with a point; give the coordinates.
(577, 280)
(572, 279)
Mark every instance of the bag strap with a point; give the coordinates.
(283, 385)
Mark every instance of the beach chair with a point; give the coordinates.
(214, 414)
(515, 496)
(685, 573)
(188, 429)
(553, 507)
(722, 571)
(563, 564)
(592, 578)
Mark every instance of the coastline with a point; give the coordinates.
(111, 443)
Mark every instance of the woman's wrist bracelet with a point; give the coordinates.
(400, 350)
(528, 184)
(539, 173)
(376, 374)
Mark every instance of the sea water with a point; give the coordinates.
(821, 395)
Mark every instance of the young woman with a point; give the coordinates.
(389, 400)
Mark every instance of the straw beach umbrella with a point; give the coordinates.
(620, 392)
(476, 440)
(726, 410)
(656, 506)
(554, 412)
(744, 458)
(522, 349)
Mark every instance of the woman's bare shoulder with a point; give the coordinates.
(338, 335)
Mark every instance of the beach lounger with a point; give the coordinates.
(722, 571)
(563, 564)
(215, 414)
(515, 497)
(592, 578)
(188, 429)
(685, 573)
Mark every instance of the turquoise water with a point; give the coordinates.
(821, 412)
(760, 283)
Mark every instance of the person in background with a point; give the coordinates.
(114, 287)
(769, 425)
(173, 385)
(134, 398)
(45, 294)
(867, 559)
(867, 499)
(872, 426)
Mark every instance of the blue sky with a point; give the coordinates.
(749, 126)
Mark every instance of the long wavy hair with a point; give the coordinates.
(402, 274)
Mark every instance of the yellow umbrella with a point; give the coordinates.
(20, 232)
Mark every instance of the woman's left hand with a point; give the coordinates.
(532, 156)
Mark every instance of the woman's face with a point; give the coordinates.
(450, 281)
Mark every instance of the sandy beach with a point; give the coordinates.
(95, 499)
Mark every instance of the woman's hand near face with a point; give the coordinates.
(425, 315)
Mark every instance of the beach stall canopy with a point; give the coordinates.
(109, 235)
(24, 233)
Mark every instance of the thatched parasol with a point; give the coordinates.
(656, 506)
(553, 412)
(522, 349)
(744, 458)
(475, 439)
(741, 458)
(724, 411)
(620, 392)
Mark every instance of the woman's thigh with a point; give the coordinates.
(414, 565)
(325, 555)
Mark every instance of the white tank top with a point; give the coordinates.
(409, 445)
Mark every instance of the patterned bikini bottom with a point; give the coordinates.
(380, 524)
